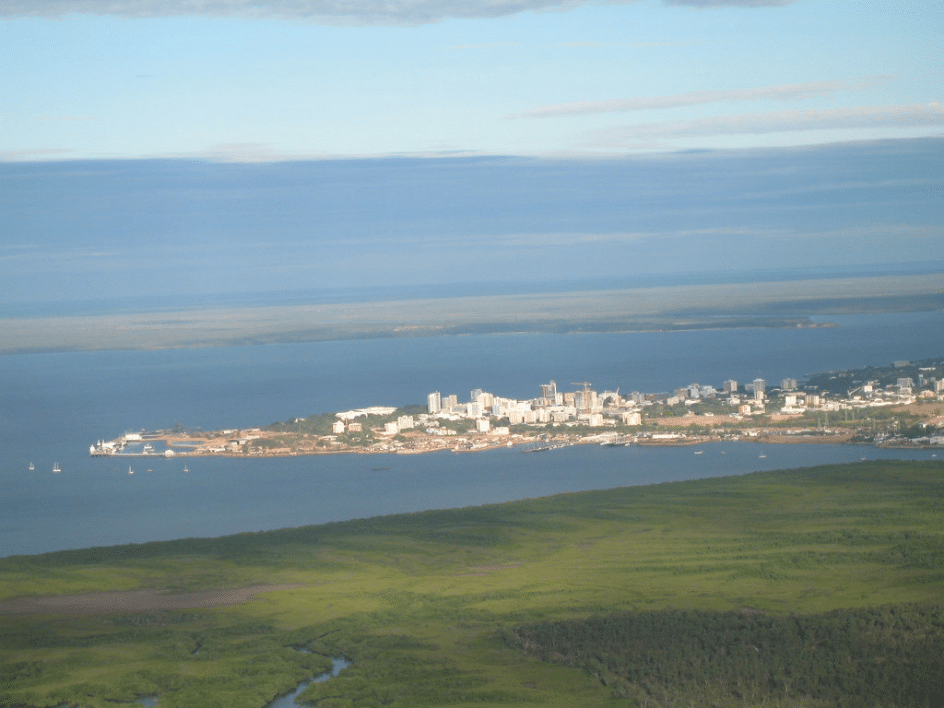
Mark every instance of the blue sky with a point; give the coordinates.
(299, 79)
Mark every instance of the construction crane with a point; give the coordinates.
(586, 394)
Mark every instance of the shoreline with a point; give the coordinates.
(840, 437)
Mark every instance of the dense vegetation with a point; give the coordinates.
(887, 657)
(434, 608)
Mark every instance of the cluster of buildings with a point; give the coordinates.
(610, 408)
(486, 420)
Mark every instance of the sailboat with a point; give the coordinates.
(55, 467)
(130, 471)
(31, 467)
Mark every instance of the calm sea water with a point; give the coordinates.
(53, 406)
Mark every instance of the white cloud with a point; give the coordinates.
(34, 155)
(730, 3)
(786, 92)
(925, 115)
(335, 12)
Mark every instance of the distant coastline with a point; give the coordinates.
(776, 304)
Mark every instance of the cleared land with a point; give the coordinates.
(773, 304)
(430, 607)
(109, 603)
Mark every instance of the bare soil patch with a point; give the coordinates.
(108, 603)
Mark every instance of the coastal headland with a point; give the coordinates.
(900, 404)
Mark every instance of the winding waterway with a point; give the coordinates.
(288, 700)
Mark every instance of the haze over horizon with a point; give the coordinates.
(174, 229)
(171, 149)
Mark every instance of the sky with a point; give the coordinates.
(263, 80)
(172, 149)
(122, 231)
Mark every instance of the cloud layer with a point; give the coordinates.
(788, 92)
(340, 12)
(916, 116)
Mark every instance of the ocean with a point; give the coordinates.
(53, 406)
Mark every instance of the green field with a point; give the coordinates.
(446, 608)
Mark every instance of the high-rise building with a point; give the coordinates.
(730, 386)
(759, 385)
(789, 385)
(549, 391)
(434, 402)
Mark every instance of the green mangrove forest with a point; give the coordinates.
(808, 588)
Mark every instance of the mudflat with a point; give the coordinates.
(106, 603)
(760, 304)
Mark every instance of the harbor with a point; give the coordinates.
(143, 444)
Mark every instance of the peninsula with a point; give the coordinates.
(897, 405)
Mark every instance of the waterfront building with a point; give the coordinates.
(484, 400)
(549, 392)
(405, 422)
(759, 385)
(482, 425)
(730, 386)
(434, 402)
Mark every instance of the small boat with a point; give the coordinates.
(130, 471)
(186, 469)
(762, 456)
(31, 467)
(699, 452)
(56, 468)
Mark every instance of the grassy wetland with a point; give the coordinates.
(538, 602)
